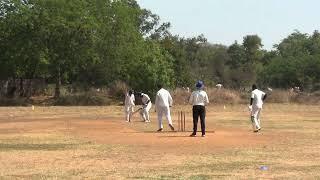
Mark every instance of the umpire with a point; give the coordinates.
(199, 99)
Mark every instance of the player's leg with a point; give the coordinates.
(147, 112)
(254, 118)
(160, 112)
(203, 120)
(168, 116)
(126, 114)
(143, 114)
(258, 119)
(195, 115)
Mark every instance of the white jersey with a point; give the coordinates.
(163, 98)
(199, 97)
(145, 99)
(129, 101)
(257, 97)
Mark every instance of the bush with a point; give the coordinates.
(118, 90)
(216, 96)
(280, 96)
(14, 101)
(224, 96)
(180, 96)
(84, 99)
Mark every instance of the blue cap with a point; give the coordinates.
(199, 85)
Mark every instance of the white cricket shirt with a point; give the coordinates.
(257, 96)
(129, 101)
(163, 98)
(145, 98)
(199, 97)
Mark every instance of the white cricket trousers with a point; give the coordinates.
(145, 112)
(166, 111)
(255, 117)
(128, 112)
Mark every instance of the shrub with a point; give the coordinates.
(216, 96)
(90, 98)
(14, 101)
(118, 89)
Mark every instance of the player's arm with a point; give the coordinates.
(251, 100)
(206, 99)
(191, 99)
(147, 100)
(170, 99)
(264, 97)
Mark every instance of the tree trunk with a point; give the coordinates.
(58, 83)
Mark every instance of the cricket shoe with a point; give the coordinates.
(193, 135)
(159, 130)
(171, 127)
(203, 135)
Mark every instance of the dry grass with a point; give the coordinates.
(53, 151)
(216, 96)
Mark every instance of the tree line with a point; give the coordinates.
(98, 43)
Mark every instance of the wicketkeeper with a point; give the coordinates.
(256, 102)
(129, 105)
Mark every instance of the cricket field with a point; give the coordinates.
(97, 143)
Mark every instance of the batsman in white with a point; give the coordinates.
(256, 102)
(146, 106)
(162, 105)
(129, 105)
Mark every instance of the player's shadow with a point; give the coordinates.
(179, 135)
(162, 133)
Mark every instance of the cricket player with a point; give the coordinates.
(146, 106)
(129, 105)
(199, 99)
(162, 105)
(256, 102)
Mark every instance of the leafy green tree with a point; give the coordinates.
(294, 45)
(237, 55)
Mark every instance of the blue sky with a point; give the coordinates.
(224, 21)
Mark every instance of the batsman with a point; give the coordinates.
(255, 107)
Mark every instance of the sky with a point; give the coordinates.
(224, 21)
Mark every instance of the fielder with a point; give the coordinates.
(129, 105)
(162, 105)
(256, 102)
(146, 106)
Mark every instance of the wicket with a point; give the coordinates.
(181, 121)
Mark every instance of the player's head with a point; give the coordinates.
(254, 87)
(140, 94)
(200, 85)
(159, 86)
(130, 92)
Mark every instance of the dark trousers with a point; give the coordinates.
(196, 112)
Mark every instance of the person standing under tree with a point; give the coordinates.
(129, 105)
(163, 103)
(255, 107)
(199, 99)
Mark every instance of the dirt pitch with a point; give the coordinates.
(96, 143)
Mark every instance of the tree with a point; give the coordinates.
(252, 45)
(237, 55)
(294, 45)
